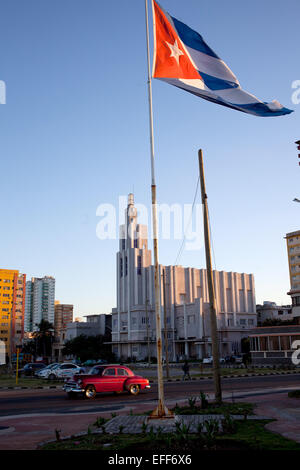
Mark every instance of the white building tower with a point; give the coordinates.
(186, 303)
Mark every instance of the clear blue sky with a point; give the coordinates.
(74, 134)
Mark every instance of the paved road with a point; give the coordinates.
(20, 402)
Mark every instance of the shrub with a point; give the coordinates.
(294, 394)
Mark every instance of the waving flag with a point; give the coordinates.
(183, 59)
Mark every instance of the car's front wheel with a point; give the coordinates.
(90, 391)
(134, 389)
(51, 377)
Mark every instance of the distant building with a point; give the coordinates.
(293, 250)
(94, 325)
(271, 311)
(272, 345)
(39, 305)
(63, 314)
(186, 303)
(12, 308)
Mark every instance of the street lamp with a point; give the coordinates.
(296, 200)
(298, 147)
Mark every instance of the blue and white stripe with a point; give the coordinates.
(218, 83)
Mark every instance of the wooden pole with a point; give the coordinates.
(166, 326)
(17, 370)
(211, 288)
(147, 328)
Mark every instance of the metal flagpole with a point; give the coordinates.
(161, 410)
(211, 289)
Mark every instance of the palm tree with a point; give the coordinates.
(44, 338)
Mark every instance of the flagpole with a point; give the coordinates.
(161, 411)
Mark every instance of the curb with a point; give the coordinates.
(210, 377)
(31, 388)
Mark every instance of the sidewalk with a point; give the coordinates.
(27, 431)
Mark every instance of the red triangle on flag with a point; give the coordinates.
(171, 59)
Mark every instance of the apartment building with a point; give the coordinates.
(293, 251)
(39, 303)
(12, 309)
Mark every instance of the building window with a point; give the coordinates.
(123, 244)
(263, 343)
(126, 266)
(285, 343)
(274, 343)
(135, 243)
(121, 267)
(139, 267)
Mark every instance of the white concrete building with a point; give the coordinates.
(185, 311)
(39, 302)
(272, 311)
(99, 324)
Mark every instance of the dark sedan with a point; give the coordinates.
(31, 368)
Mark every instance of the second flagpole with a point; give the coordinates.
(161, 411)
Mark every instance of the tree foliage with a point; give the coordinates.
(41, 344)
(85, 347)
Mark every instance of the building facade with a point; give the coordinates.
(12, 309)
(293, 250)
(274, 345)
(94, 325)
(184, 303)
(39, 304)
(63, 314)
(272, 311)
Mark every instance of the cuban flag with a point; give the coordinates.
(183, 59)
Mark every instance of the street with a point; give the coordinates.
(20, 402)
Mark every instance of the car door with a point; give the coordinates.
(122, 376)
(70, 370)
(109, 380)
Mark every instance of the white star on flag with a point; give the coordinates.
(175, 51)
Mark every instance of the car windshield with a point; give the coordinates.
(96, 371)
(50, 366)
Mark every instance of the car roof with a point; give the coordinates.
(110, 365)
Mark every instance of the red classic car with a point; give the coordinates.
(108, 378)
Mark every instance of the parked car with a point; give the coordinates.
(237, 359)
(44, 373)
(106, 378)
(64, 370)
(208, 360)
(94, 362)
(31, 368)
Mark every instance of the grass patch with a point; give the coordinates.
(216, 409)
(249, 435)
(294, 394)
(31, 382)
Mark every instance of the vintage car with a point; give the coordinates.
(105, 378)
